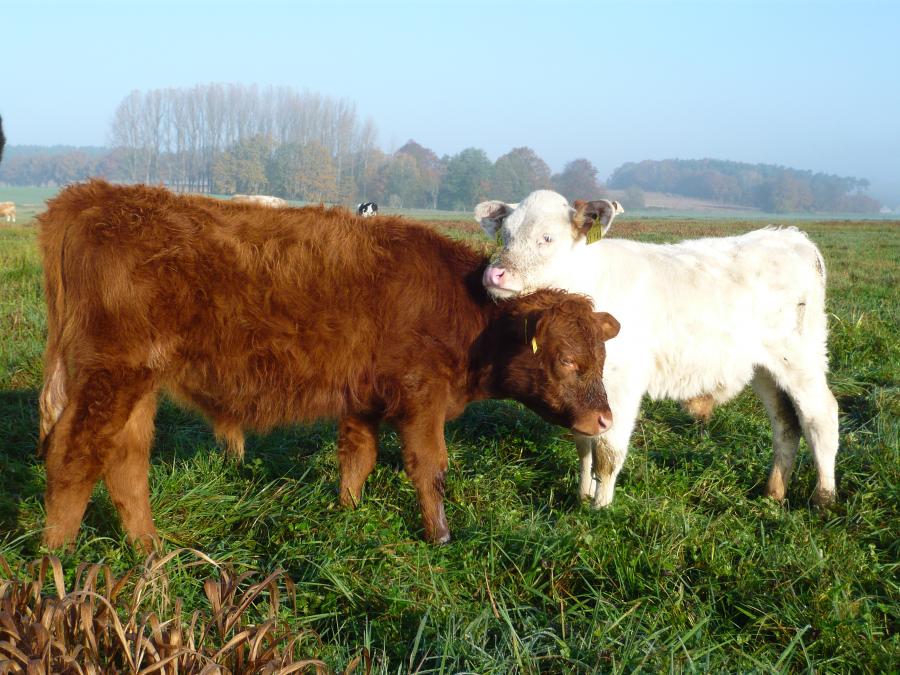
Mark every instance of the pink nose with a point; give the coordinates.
(493, 276)
(605, 421)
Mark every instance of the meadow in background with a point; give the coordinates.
(690, 569)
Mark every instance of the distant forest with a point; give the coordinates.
(776, 189)
(227, 139)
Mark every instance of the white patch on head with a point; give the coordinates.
(538, 237)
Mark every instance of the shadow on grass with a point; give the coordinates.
(181, 433)
(18, 454)
(488, 435)
(735, 441)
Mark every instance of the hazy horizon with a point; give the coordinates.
(809, 85)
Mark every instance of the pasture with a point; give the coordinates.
(689, 570)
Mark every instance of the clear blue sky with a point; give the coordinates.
(809, 84)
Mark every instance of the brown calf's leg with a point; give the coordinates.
(357, 451)
(425, 458)
(72, 470)
(83, 443)
(127, 474)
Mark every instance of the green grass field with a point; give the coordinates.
(690, 570)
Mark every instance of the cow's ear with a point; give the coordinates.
(593, 219)
(609, 325)
(491, 214)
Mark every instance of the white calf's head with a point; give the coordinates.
(536, 237)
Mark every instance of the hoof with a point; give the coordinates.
(824, 498)
(599, 504)
(348, 499)
(438, 538)
(55, 542)
(147, 543)
(776, 494)
(439, 535)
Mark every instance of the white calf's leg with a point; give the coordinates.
(785, 432)
(608, 462)
(817, 410)
(819, 419)
(587, 484)
(611, 449)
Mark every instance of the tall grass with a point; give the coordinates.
(689, 570)
(107, 624)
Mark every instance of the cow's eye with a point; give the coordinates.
(548, 238)
(566, 362)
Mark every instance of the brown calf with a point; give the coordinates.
(258, 317)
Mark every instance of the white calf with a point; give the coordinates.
(699, 321)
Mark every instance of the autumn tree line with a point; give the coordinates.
(775, 189)
(300, 145)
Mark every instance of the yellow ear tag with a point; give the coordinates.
(595, 234)
(534, 344)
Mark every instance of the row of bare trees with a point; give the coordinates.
(176, 135)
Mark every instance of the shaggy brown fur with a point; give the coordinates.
(259, 317)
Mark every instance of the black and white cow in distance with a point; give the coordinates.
(367, 209)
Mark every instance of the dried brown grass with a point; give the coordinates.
(103, 625)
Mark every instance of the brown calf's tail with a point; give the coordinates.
(53, 396)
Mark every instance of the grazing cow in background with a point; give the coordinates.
(262, 200)
(367, 209)
(8, 211)
(700, 319)
(262, 317)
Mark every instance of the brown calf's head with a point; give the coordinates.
(553, 356)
